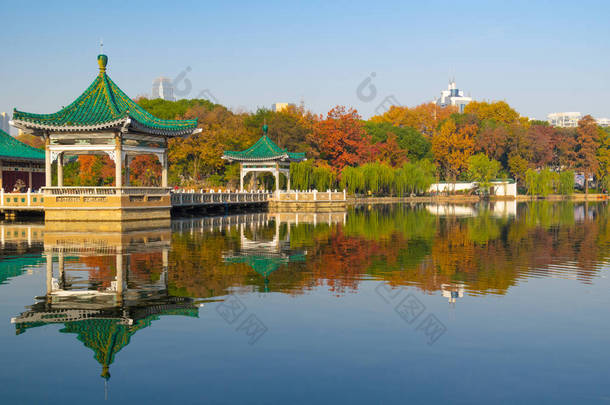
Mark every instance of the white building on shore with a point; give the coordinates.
(453, 96)
(570, 119)
(603, 122)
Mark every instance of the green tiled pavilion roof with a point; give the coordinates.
(107, 336)
(263, 149)
(103, 105)
(12, 148)
(13, 267)
(265, 265)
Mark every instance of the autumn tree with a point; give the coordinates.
(340, 139)
(198, 156)
(453, 146)
(492, 139)
(540, 143)
(145, 170)
(587, 143)
(95, 170)
(32, 140)
(423, 118)
(498, 111)
(289, 128)
(603, 157)
(565, 147)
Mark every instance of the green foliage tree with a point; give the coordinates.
(483, 170)
(410, 140)
(541, 183)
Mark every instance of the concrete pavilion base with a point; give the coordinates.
(91, 238)
(107, 214)
(309, 201)
(306, 206)
(106, 204)
(96, 227)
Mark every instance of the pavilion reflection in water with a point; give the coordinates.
(266, 255)
(104, 315)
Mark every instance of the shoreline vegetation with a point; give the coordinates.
(398, 152)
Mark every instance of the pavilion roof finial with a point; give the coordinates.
(265, 127)
(102, 61)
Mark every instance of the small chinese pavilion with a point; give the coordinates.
(20, 164)
(264, 156)
(103, 120)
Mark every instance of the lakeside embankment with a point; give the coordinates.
(471, 199)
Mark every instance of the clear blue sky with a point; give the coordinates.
(539, 56)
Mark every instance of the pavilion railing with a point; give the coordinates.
(182, 199)
(21, 200)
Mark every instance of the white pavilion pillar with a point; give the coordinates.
(118, 163)
(49, 273)
(241, 177)
(62, 271)
(164, 167)
(119, 275)
(60, 170)
(47, 163)
(276, 173)
(288, 181)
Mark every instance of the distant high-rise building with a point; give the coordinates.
(564, 119)
(453, 96)
(279, 107)
(4, 125)
(603, 122)
(163, 88)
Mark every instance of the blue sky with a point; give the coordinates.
(539, 56)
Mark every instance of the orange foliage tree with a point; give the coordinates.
(144, 170)
(95, 170)
(588, 143)
(341, 139)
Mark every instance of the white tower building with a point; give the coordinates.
(4, 119)
(453, 96)
(163, 88)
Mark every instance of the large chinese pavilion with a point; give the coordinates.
(20, 164)
(264, 156)
(103, 120)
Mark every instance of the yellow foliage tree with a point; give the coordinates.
(424, 117)
(498, 111)
(453, 146)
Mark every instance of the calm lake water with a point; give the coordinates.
(388, 304)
